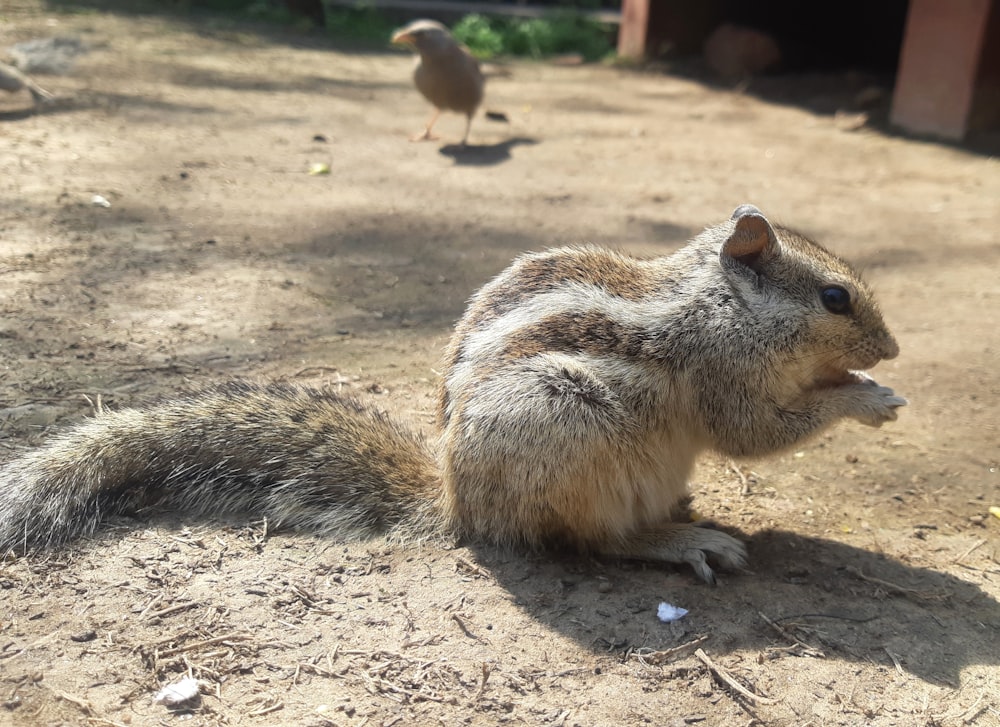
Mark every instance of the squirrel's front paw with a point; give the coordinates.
(873, 404)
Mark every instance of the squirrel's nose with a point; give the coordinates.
(890, 349)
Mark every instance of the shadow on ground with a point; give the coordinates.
(806, 597)
(484, 155)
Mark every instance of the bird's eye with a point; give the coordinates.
(835, 299)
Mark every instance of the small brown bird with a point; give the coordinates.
(12, 80)
(447, 74)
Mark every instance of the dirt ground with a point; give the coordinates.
(873, 596)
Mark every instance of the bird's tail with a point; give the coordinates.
(297, 456)
(13, 80)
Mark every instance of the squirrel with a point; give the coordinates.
(579, 388)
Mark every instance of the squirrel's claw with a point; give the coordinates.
(874, 405)
(723, 548)
(696, 559)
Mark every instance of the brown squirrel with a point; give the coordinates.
(579, 388)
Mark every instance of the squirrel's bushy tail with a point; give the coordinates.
(300, 457)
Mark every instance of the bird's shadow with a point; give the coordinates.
(18, 114)
(56, 105)
(484, 155)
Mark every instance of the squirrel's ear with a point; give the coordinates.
(752, 239)
(745, 209)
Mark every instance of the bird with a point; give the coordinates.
(447, 74)
(12, 80)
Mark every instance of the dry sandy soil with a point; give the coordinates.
(873, 596)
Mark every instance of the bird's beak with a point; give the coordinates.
(402, 37)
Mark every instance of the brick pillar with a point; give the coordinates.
(941, 66)
(632, 30)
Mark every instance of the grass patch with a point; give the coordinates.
(361, 22)
(559, 33)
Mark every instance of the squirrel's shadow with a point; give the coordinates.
(484, 155)
(804, 595)
(847, 602)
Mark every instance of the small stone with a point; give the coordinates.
(83, 636)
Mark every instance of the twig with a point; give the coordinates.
(313, 370)
(156, 599)
(895, 660)
(808, 650)
(426, 641)
(487, 670)
(172, 609)
(960, 558)
(567, 672)
(381, 684)
(98, 407)
(314, 669)
(659, 657)
(201, 644)
(465, 629)
(81, 703)
(267, 710)
(835, 616)
(894, 588)
(188, 541)
(730, 681)
(102, 720)
(470, 567)
(744, 482)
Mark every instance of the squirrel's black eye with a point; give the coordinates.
(836, 299)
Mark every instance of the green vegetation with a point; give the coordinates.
(559, 33)
(360, 22)
(563, 31)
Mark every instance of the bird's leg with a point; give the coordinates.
(427, 135)
(468, 125)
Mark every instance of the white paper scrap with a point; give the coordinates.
(177, 693)
(668, 612)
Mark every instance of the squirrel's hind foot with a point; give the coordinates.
(690, 544)
(722, 548)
